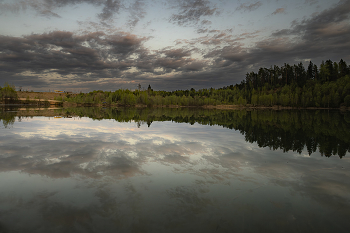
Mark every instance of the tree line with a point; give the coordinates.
(326, 86)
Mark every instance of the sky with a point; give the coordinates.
(85, 45)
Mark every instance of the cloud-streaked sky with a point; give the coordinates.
(84, 45)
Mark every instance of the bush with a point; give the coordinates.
(8, 93)
(347, 100)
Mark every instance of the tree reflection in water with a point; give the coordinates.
(289, 130)
(62, 175)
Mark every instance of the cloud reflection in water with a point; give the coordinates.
(73, 175)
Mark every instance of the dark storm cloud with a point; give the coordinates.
(318, 25)
(191, 11)
(123, 44)
(229, 54)
(67, 60)
(68, 53)
(24, 80)
(145, 63)
(326, 34)
(249, 7)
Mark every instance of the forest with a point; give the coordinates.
(326, 86)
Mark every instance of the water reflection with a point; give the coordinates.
(151, 174)
(323, 130)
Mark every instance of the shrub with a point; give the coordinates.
(347, 101)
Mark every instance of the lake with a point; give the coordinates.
(174, 170)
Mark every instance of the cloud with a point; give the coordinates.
(195, 65)
(65, 59)
(12, 7)
(58, 162)
(279, 11)
(201, 30)
(67, 52)
(170, 63)
(137, 12)
(249, 7)
(90, 58)
(46, 8)
(109, 9)
(325, 34)
(117, 59)
(191, 11)
(337, 15)
(219, 37)
(206, 22)
(176, 53)
(311, 2)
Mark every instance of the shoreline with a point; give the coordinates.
(49, 99)
(58, 105)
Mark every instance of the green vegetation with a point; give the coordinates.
(147, 97)
(289, 86)
(8, 93)
(328, 86)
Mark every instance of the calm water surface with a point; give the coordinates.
(83, 175)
